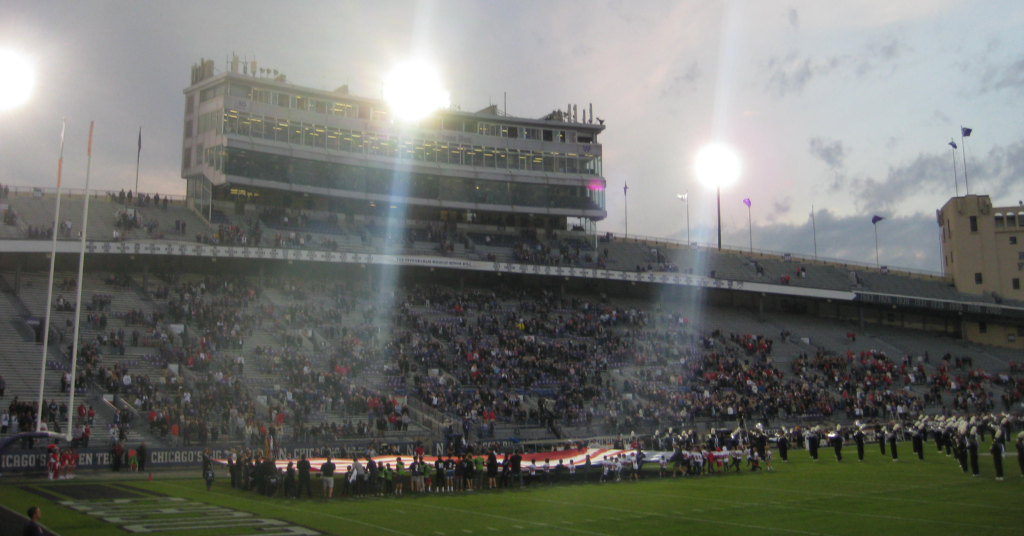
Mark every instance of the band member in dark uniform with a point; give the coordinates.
(918, 442)
(783, 443)
(1020, 452)
(812, 442)
(949, 439)
(836, 438)
(893, 435)
(972, 450)
(961, 451)
(997, 450)
(880, 434)
(858, 437)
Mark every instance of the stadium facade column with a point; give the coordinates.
(261, 276)
(462, 283)
(860, 316)
(145, 277)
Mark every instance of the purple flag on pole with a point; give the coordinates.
(953, 144)
(876, 219)
(625, 188)
(966, 132)
(747, 202)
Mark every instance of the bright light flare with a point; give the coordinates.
(413, 90)
(717, 166)
(16, 79)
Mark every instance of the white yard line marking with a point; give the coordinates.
(697, 519)
(311, 512)
(804, 508)
(535, 523)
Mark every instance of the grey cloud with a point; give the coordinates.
(782, 206)
(999, 77)
(996, 174)
(790, 74)
(904, 241)
(687, 81)
(882, 52)
(794, 18)
(942, 118)
(832, 152)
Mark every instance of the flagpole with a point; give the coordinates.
(814, 229)
(81, 269)
(750, 226)
(49, 288)
(956, 185)
(719, 191)
(963, 147)
(138, 156)
(878, 264)
(625, 203)
(688, 218)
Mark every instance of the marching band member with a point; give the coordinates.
(783, 442)
(1020, 452)
(892, 435)
(972, 449)
(858, 437)
(836, 438)
(997, 450)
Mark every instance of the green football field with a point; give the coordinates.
(825, 498)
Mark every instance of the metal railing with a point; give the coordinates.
(796, 257)
(73, 193)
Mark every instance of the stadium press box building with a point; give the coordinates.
(261, 141)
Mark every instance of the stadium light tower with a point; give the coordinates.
(413, 90)
(16, 79)
(717, 165)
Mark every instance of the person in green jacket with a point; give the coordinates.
(388, 477)
(399, 476)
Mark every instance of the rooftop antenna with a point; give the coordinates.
(591, 112)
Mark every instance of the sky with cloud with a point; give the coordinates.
(844, 106)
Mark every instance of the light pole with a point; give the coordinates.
(717, 166)
(685, 198)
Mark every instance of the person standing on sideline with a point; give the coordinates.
(141, 451)
(880, 435)
(517, 468)
(289, 481)
(32, 527)
(304, 468)
(327, 473)
(208, 469)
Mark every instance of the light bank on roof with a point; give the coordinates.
(271, 143)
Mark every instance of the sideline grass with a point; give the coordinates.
(826, 498)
